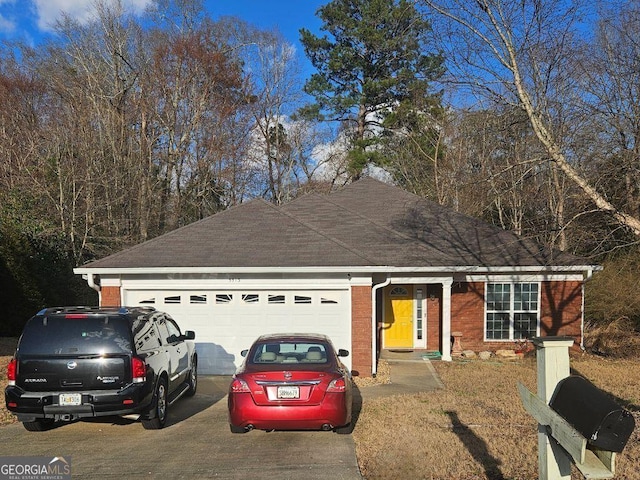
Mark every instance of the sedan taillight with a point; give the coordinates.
(239, 386)
(12, 370)
(138, 370)
(337, 386)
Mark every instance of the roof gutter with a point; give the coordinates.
(337, 269)
(374, 325)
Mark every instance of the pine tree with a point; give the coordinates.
(373, 60)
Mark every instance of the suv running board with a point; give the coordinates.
(180, 391)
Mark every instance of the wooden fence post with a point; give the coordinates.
(552, 354)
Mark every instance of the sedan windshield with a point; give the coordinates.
(290, 352)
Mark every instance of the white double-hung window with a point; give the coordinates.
(512, 311)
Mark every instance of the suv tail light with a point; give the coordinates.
(138, 370)
(12, 370)
(239, 386)
(337, 386)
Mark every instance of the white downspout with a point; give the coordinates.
(587, 277)
(374, 326)
(94, 285)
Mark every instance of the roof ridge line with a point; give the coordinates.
(387, 228)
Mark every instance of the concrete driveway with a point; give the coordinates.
(196, 443)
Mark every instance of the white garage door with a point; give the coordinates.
(227, 322)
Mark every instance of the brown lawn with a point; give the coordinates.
(476, 428)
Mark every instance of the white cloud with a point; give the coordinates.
(49, 11)
(6, 25)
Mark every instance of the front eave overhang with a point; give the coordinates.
(441, 270)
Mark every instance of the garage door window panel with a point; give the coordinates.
(198, 299)
(328, 301)
(224, 298)
(276, 299)
(250, 298)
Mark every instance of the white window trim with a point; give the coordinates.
(511, 338)
(420, 302)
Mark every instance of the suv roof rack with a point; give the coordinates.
(95, 309)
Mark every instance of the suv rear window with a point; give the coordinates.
(75, 334)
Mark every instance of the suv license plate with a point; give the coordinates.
(289, 392)
(70, 399)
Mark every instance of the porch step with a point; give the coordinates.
(407, 355)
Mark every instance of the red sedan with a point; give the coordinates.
(291, 382)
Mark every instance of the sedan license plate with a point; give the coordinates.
(288, 391)
(70, 399)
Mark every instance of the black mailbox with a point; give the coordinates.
(593, 413)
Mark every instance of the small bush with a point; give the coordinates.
(616, 339)
(613, 293)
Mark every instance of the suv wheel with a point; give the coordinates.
(160, 408)
(39, 425)
(193, 379)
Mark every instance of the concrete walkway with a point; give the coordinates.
(410, 373)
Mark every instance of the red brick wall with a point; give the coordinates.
(434, 317)
(361, 353)
(467, 314)
(110, 296)
(561, 309)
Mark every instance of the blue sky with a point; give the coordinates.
(30, 20)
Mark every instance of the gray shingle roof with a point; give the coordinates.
(367, 223)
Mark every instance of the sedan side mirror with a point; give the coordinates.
(244, 353)
(343, 353)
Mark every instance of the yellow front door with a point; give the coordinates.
(398, 317)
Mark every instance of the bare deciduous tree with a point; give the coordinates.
(522, 54)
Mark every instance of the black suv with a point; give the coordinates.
(76, 362)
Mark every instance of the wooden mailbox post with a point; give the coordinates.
(559, 443)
